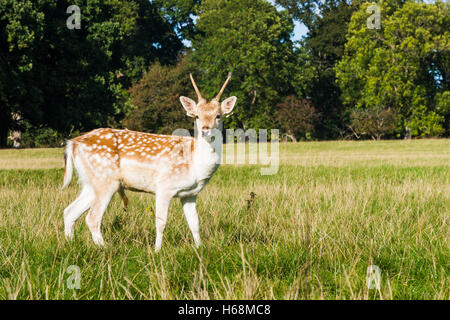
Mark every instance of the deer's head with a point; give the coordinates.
(208, 114)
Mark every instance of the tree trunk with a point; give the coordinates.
(291, 136)
(407, 133)
(16, 138)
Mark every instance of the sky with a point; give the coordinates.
(300, 30)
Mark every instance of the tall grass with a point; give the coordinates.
(312, 230)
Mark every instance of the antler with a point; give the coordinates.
(199, 95)
(223, 87)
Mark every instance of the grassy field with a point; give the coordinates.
(333, 209)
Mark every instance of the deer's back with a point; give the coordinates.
(140, 161)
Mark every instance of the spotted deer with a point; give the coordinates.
(111, 160)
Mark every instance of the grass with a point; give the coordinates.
(333, 209)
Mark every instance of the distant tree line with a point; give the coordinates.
(130, 60)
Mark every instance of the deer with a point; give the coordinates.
(114, 160)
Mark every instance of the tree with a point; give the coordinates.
(327, 23)
(156, 99)
(21, 27)
(180, 15)
(251, 39)
(296, 118)
(305, 11)
(403, 66)
(326, 41)
(64, 79)
(372, 122)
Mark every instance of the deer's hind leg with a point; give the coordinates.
(124, 197)
(77, 208)
(103, 196)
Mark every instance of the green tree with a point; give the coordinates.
(21, 28)
(305, 11)
(180, 15)
(327, 22)
(156, 99)
(65, 79)
(251, 39)
(404, 66)
(326, 41)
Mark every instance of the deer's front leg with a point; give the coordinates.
(190, 212)
(162, 208)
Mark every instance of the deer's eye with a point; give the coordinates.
(218, 116)
(196, 117)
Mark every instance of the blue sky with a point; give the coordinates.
(299, 31)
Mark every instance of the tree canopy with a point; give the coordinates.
(76, 78)
(251, 39)
(129, 62)
(402, 66)
(156, 99)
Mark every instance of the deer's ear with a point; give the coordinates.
(189, 105)
(228, 105)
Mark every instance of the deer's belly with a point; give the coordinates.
(137, 176)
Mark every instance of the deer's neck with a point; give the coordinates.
(207, 158)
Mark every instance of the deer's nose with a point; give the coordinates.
(206, 128)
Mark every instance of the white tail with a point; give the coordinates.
(68, 163)
(111, 160)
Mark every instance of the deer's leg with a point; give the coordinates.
(76, 209)
(124, 198)
(95, 215)
(162, 208)
(190, 212)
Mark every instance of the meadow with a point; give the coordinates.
(311, 231)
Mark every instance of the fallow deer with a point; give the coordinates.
(111, 160)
